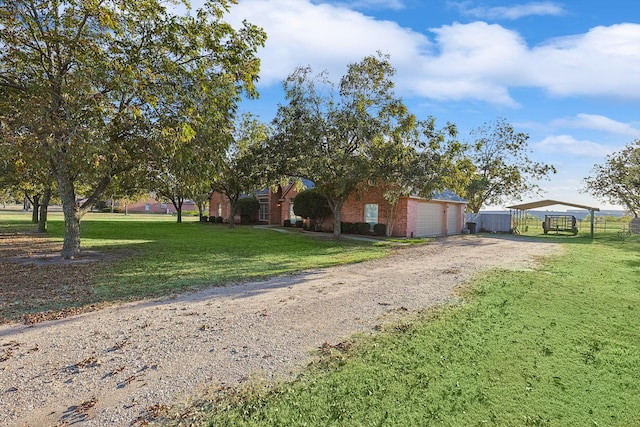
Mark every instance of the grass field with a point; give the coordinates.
(154, 256)
(554, 347)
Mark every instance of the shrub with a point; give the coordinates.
(299, 224)
(248, 206)
(212, 219)
(204, 218)
(311, 204)
(346, 227)
(380, 229)
(362, 228)
(287, 223)
(219, 220)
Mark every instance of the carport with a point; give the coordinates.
(522, 208)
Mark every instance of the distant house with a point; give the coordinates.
(441, 215)
(275, 206)
(150, 205)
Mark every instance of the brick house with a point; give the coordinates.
(415, 217)
(275, 206)
(150, 205)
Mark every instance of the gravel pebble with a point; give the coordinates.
(109, 366)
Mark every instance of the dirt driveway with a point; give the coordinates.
(110, 366)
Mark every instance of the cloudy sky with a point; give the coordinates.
(565, 72)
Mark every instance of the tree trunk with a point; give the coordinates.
(336, 208)
(179, 209)
(233, 202)
(35, 202)
(392, 209)
(72, 217)
(44, 210)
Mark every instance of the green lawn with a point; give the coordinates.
(555, 347)
(154, 256)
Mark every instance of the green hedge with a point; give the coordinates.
(362, 228)
(380, 229)
(346, 227)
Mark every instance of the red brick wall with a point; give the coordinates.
(278, 209)
(214, 200)
(353, 210)
(156, 207)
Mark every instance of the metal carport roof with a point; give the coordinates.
(543, 203)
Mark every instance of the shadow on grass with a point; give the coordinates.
(132, 260)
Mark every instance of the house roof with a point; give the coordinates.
(443, 196)
(448, 196)
(547, 202)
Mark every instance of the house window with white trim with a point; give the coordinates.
(371, 213)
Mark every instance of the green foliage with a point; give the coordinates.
(346, 227)
(618, 180)
(362, 228)
(502, 168)
(158, 257)
(311, 204)
(244, 168)
(96, 89)
(555, 347)
(324, 133)
(380, 229)
(248, 206)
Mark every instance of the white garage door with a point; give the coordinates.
(430, 221)
(453, 220)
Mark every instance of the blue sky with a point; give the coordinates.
(565, 72)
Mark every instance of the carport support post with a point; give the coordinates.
(593, 214)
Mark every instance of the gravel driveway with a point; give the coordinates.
(109, 366)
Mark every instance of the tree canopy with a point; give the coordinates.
(502, 168)
(325, 132)
(618, 179)
(89, 86)
(311, 204)
(242, 169)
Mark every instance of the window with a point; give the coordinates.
(219, 210)
(371, 213)
(263, 215)
(292, 215)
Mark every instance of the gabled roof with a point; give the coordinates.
(547, 202)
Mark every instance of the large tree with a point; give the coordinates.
(25, 175)
(503, 168)
(324, 133)
(244, 168)
(417, 159)
(618, 179)
(89, 79)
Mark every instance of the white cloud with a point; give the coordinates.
(510, 12)
(569, 146)
(598, 123)
(324, 36)
(602, 62)
(475, 61)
